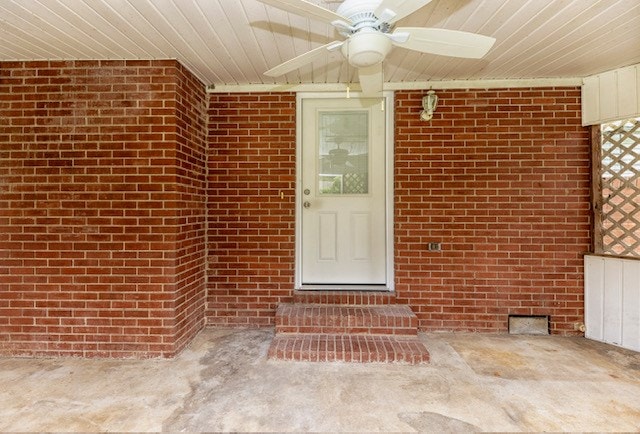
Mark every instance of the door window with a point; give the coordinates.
(343, 153)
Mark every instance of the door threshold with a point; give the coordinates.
(348, 287)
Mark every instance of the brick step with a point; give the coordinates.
(345, 297)
(336, 319)
(348, 348)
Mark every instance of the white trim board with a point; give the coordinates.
(416, 85)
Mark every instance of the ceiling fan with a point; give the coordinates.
(368, 26)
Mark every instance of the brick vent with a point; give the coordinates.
(317, 327)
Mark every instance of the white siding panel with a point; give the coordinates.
(608, 95)
(612, 95)
(631, 307)
(612, 308)
(612, 301)
(638, 86)
(627, 92)
(591, 100)
(594, 297)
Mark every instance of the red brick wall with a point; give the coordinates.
(127, 217)
(499, 177)
(251, 227)
(96, 198)
(191, 211)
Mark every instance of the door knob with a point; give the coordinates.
(306, 204)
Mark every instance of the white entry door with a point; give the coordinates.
(343, 192)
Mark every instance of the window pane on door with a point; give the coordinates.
(343, 152)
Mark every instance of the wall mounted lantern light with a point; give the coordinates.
(429, 105)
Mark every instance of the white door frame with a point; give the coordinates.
(386, 102)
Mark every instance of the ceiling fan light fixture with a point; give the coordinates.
(366, 48)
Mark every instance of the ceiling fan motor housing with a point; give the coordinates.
(352, 8)
(367, 43)
(366, 48)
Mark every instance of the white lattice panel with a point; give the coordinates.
(620, 187)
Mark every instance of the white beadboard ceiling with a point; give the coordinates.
(227, 43)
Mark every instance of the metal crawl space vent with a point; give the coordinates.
(528, 325)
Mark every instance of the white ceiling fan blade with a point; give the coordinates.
(371, 79)
(302, 59)
(401, 8)
(444, 42)
(306, 9)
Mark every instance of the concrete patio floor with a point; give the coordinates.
(223, 382)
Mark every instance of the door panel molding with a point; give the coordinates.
(360, 232)
(328, 247)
